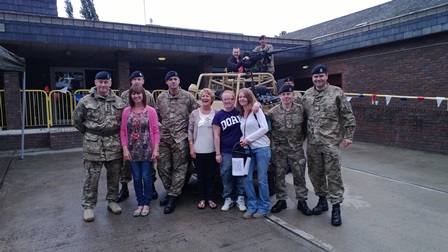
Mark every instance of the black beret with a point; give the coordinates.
(319, 69)
(103, 75)
(171, 74)
(136, 74)
(286, 88)
(262, 37)
(289, 78)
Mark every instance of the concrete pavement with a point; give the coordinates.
(395, 200)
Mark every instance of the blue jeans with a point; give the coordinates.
(261, 159)
(141, 173)
(232, 185)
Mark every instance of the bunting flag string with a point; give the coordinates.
(439, 99)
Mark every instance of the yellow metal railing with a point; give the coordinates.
(155, 93)
(61, 107)
(2, 109)
(37, 112)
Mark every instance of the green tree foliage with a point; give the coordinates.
(68, 8)
(88, 10)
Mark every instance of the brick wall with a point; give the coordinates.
(55, 139)
(12, 100)
(413, 128)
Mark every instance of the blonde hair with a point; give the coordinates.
(209, 92)
(250, 100)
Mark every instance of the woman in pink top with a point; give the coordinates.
(140, 139)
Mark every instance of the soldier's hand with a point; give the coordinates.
(346, 142)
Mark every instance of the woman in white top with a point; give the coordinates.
(254, 128)
(202, 148)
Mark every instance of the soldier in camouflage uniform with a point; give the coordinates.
(287, 137)
(173, 108)
(327, 111)
(137, 78)
(297, 95)
(98, 116)
(262, 65)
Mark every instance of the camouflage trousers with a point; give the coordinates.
(324, 170)
(283, 159)
(126, 173)
(172, 164)
(93, 172)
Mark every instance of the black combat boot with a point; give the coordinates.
(321, 206)
(303, 207)
(154, 194)
(171, 205)
(336, 215)
(124, 192)
(280, 205)
(164, 201)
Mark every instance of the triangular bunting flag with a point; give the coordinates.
(373, 98)
(388, 97)
(64, 90)
(439, 100)
(349, 98)
(420, 98)
(360, 95)
(403, 98)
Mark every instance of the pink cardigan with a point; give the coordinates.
(153, 126)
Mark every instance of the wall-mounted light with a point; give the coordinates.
(161, 58)
(305, 67)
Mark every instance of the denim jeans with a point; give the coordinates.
(205, 168)
(232, 185)
(261, 160)
(141, 173)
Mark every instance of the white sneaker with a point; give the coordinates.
(228, 203)
(241, 204)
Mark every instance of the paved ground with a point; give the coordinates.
(395, 200)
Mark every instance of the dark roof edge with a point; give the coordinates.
(370, 26)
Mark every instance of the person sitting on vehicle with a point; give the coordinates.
(236, 62)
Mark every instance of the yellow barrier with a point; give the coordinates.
(2, 109)
(61, 107)
(156, 93)
(37, 112)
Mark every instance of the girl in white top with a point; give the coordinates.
(254, 128)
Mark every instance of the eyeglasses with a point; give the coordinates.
(228, 99)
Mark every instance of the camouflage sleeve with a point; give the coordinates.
(348, 117)
(150, 99)
(191, 123)
(79, 116)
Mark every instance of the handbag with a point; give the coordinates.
(241, 160)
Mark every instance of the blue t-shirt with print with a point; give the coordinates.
(230, 128)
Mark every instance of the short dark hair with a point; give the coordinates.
(136, 89)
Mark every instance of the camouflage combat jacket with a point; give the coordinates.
(149, 98)
(99, 119)
(330, 116)
(174, 113)
(270, 65)
(287, 130)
